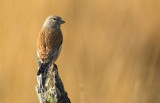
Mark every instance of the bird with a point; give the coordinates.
(49, 45)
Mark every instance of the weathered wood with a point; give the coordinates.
(54, 91)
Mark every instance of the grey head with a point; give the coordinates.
(53, 22)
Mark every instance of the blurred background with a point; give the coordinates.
(110, 53)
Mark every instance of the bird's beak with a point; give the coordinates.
(61, 22)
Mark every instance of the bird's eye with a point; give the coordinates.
(54, 19)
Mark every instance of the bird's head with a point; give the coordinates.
(53, 21)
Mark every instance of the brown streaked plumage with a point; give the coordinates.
(48, 42)
(49, 45)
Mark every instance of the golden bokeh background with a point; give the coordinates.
(110, 53)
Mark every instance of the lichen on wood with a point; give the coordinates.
(54, 91)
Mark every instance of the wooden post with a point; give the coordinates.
(54, 91)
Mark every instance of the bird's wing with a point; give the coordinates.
(49, 41)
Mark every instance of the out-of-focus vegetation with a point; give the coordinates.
(110, 53)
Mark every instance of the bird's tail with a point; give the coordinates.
(43, 70)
